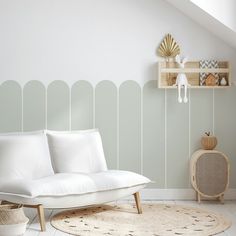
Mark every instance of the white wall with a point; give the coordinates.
(223, 10)
(95, 40)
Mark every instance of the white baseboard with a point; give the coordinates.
(178, 194)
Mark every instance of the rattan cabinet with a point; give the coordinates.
(209, 171)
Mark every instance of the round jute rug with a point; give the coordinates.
(156, 220)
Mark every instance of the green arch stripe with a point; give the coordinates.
(34, 109)
(10, 107)
(130, 126)
(177, 141)
(58, 107)
(106, 119)
(81, 105)
(154, 134)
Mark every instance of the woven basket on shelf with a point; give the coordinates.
(12, 220)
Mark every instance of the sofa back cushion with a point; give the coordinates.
(76, 151)
(24, 155)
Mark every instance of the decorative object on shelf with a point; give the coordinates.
(208, 64)
(168, 71)
(181, 80)
(12, 220)
(211, 80)
(209, 174)
(208, 141)
(168, 47)
(223, 81)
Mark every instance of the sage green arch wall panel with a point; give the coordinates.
(34, 109)
(154, 134)
(58, 107)
(225, 126)
(106, 119)
(130, 126)
(177, 141)
(201, 116)
(81, 105)
(10, 107)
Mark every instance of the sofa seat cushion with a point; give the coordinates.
(63, 184)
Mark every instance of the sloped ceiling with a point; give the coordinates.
(206, 20)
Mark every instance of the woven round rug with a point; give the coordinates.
(156, 220)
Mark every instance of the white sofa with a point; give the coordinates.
(51, 169)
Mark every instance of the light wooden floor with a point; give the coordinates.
(228, 209)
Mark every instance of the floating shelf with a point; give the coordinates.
(168, 71)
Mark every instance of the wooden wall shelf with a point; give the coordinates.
(168, 71)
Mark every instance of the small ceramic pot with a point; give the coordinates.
(209, 142)
(223, 82)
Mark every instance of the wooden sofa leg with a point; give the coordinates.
(41, 217)
(138, 202)
(40, 210)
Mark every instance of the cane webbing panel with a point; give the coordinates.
(211, 173)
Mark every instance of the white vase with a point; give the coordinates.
(223, 82)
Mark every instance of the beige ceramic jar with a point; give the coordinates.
(208, 142)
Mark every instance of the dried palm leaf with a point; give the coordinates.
(168, 47)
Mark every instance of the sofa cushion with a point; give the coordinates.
(76, 151)
(68, 184)
(24, 155)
